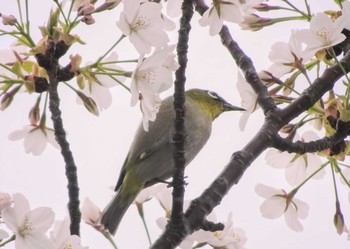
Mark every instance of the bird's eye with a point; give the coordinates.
(213, 95)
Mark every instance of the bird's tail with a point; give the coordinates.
(115, 210)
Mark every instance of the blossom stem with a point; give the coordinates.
(20, 11)
(142, 215)
(110, 239)
(109, 50)
(310, 176)
(307, 8)
(62, 12)
(72, 24)
(12, 238)
(27, 19)
(70, 9)
(120, 83)
(334, 182)
(297, 9)
(342, 175)
(347, 93)
(43, 119)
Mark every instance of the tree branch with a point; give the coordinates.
(50, 62)
(175, 228)
(266, 136)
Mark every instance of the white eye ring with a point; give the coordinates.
(213, 95)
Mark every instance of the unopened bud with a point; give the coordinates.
(86, 9)
(74, 63)
(8, 19)
(288, 128)
(89, 103)
(267, 78)
(88, 19)
(254, 22)
(81, 81)
(34, 113)
(8, 97)
(264, 7)
(338, 220)
(108, 5)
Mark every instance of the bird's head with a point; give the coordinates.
(211, 102)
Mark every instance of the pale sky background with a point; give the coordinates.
(100, 144)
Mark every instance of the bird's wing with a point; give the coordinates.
(150, 147)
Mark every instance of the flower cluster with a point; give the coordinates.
(30, 226)
(229, 237)
(145, 25)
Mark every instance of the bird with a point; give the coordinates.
(150, 157)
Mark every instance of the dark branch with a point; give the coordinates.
(175, 229)
(266, 136)
(300, 147)
(50, 62)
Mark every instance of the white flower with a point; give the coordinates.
(323, 33)
(28, 225)
(99, 91)
(3, 234)
(143, 24)
(297, 167)
(164, 197)
(248, 100)
(106, 80)
(187, 243)
(287, 56)
(229, 237)
(35, 138)
(91, 213)
(5, 201)
(247, 6)
(173, 7)
(61, 237)
(152, 76)
(147, 193)
(279, 203)
(165, 200)
(221, 10)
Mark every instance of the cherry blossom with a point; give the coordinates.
(297, 167)
(5, 200)
(8, 19)
(323, 33)
(173, 7)
(91, 213)
(61, 237)
(143, 24)
(29, 225)
(35, 138)
(229, 237)
(147, 193)
(3, 234)
(279, 203)
(221, 11)
(165, 200)
(248, 100)
(99, 90)
(287, 56)
(248, 6)
(152, 76)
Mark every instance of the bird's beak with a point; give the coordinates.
(229, 107)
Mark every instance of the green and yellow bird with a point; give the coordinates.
(150, 158)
